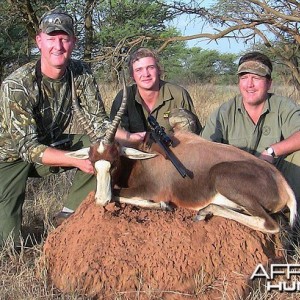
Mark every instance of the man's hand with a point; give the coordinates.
(85, 166)
(137, 137)
(128, 139)
(55, 157)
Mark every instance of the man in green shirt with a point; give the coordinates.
(150, 95)
(36, 116)
(259, 122)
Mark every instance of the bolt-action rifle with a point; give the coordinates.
(160, 137)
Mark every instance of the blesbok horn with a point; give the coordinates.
(81, 117)
(112, 129)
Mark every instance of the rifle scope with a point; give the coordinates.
(160, 131)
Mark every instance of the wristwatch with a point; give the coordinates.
(271, 151)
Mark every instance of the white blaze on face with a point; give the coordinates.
(103, 190)
(101, 147)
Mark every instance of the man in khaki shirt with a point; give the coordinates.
(260, 122)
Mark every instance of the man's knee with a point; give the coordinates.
(290, 168)
(185, 120)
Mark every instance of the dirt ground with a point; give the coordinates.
(122, 252)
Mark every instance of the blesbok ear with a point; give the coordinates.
(136, 154)
(79, 154)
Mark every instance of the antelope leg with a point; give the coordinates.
(267, 225)
(143, 203)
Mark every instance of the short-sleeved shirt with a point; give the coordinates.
(31, 117)
(231, 124)
(135, 117)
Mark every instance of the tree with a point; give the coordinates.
(273, 23)
(106, 30)
(109, 30)
(120, 26)
(206, 66)
(14, 44)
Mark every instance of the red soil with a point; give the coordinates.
(143, 254)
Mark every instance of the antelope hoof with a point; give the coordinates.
(165, 206)
(198, 218)
(201, 215)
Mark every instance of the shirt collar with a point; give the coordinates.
(164, 95)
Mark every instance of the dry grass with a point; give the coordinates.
(18, 271)
(206, 97)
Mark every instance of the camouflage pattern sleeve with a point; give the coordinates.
(29, 122)
(18, 130)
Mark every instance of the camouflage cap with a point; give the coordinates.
(183, 119)
(57, 20)
(254, 67)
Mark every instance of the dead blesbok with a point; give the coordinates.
(221, 179)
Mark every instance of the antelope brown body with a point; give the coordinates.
(222, 180)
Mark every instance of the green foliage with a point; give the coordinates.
(121, 26)
(200, 65)
(13, 39)
(118, 27)
(119, 19)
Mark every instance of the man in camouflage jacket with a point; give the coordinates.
(36, 115)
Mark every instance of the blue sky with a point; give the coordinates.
(188, 26)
